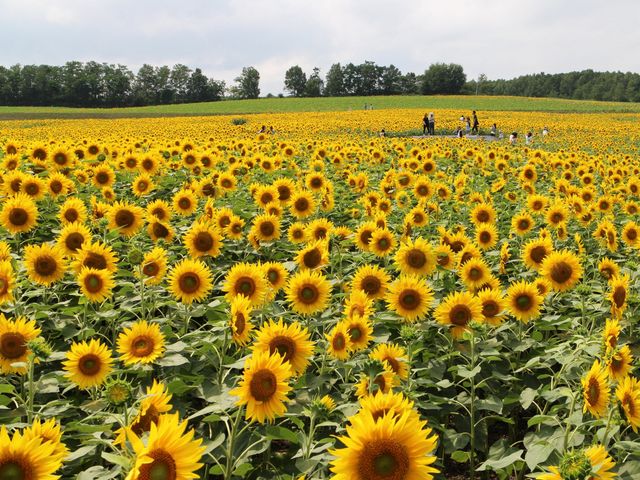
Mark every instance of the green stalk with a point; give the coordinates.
(228, 470)
(31, 387)
(309, 440)
(472, 414)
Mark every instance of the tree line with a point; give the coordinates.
(583, 85)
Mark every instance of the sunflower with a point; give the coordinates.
(302, 204)
(486, 235)
(155, 401)
(557, 213)
(285, 189)
(235, 228)
(239, 319)
(524, 301)
(382, 242)
(363, 235)
(474, 273)
(371, 279)
(126, 218)
(595, 390)
(611, 333)
(7, 281)
(380, 404)
(264, 386)
(227, 181)
(95, 255)
(158, 230)
(383, 382)
(276, 275)
(88, 364)
(628, 394)
(394, 356)
(417, 217)
(154, 266)
(142, 185)
(14, 336)
(619, 362)
(359, 304)
(535, 251)
(314, 255)
(160, 210)
(265, 194)
(562, 269)
(48, 431)
(593, 463)
(72, 210)
(103, 176)
(170, 451)
(27, 457)
(266, 227)
(416, 257)
(493, 305)
(339, 342)
(44, 263)
(457, 311)
(33, 187)
(410, 297)
(297, 233)
(185, 202)
(308, 291)
(72, 237)
(248, 280)
(608, 268)
(203, 239)
(483, 213)
(290, 341)
(391, 447)
(142, 343)
(19, 214)
(190, 280)
(618, 294)
(360, 332)
(96, 285)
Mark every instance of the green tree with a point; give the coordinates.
(314, 85)
(247, 84)
(295, 81)
(443, 78)
(334, 81)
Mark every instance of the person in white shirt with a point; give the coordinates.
(513, 138)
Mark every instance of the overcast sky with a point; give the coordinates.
(501, 38)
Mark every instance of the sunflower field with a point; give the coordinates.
(187, 298)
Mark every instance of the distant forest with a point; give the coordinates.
(94, 84)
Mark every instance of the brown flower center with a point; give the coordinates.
(124, 218)
(409, 299)
(619, 296)
(245, 286)
(538, 254)
(18, 216)
(16, 468)
(301, 204)
(95, 260)
(490, 309)
(285, 346)
(143, 424)
(74, 241)
(312, 258)
(203, 242)
(89, 364)
(524, 302)
(189, 282)
(309, 294)
(561, 272)
(383, 459)
(159, 230)
(142, 346)
(151, 269)
(12, 345)
(163, 467)
(371, 285)
(45, 265)
(55, 186)
(338, 342)
(263, 385)
(416, 258)
(184, 203)
(460, 315)
(267, 228)
(483, 216)
(593, 391)
(93, 283)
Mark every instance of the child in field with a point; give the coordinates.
(528, 138)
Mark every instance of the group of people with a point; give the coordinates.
(471, 125)
(528, 138)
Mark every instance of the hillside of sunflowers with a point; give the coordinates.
(188, 298)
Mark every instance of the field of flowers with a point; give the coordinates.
(187, 298)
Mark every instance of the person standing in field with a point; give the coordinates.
(432, 124)
(425, 124)
(467, 125)
(476, 124)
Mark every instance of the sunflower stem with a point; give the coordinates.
(472, 413)
(228, 470)
(31, 387)
(608, 427)
(568, 429)
(309, 439)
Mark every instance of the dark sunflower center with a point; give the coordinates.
(189, 282)
(632, 234)
(409, 299)
(523, 224)
(12, 345)
(266, 198)
(18, 216)
(365, 237)
(285, 346)
(320, 233)
(524, 302)
(45, 265)
(418, 217)
(298, 234)
(312, 258)
(384, 459)
(245, 286)
(416, 258)
(60, 158)
(339, 342)
(557, 217)
(71, 215)
(203, 242)
(151, 269)
(460, 315)
(159, 230)
(89, 364)
(239, 323)
(273, 276)
(309, 294)
(316, 182)
(371, 285)
(32, 189)
(538, 254)
(483, 216)
(184, 203)
(16, 469)
(95, 260)
(124, 218)
(263, 385)
(485, 237)
(143, 424)
(267, 229)
(301, 204)
(423, 190)
(159, 213)
(395, 365)
(4, 286)
(93, 283)
(163, 467)
(628, 403)
(142, 346)
(619, 296)
(40, 154)
(561, 272)
(284, 193)
(142, 185)
(490, 309)
(593, 391)
(226, 183)
(355, 332)
(384, 243)
(456, 246)
(102, 178)
(55, 186)
(475, 273)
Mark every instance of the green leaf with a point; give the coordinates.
(527, 397)
(243, 469)
(460, 456)
(499, 464)
(280, 433)
(538, 454)
(117, 459)
(464, 372)
(81, 452)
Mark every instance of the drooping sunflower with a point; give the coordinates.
(19, 214)
(126, 218)
(185, 202)
(154, 266)
(44, 263)
(524, 301)
(410, 297)
(27, 457)
(95, 284)
(308, 291)
(595, 390)
(314, 255)
(562, 269)
(7, 281)
(14, 336)
(359, 305)
(170, 452)
(239, 319)
(339, 342)
(391, 447)
(158, 230)
(88, 364)
(608, 268)
(155, 401)
(628, 394)
(611, 333)
(619, 362)
(371, 279)
(394, 356)
(48, 431)
(535, 251)
(190, 280)
(264, 387)
(383, 382)
(493, 306)
(457, 311)
(95, 255)
(141, 343)
(203, 239)
(618, 294)
(290, 341)
(474, 273)
(248, 280)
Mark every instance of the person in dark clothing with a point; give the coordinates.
(425, 124)
(432, 124)
(476, 125)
